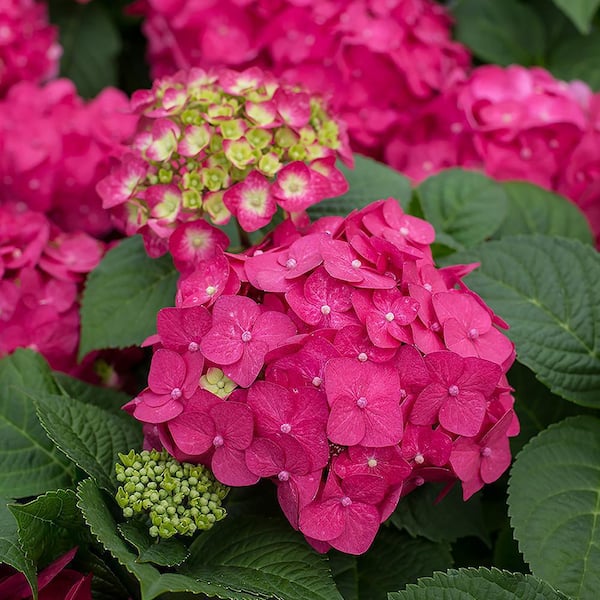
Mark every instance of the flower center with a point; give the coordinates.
(473, 333)
(317, 381)
(486, 452)
(211, 290)
(419, 458)
(453, 390)
(325, 309)
(356, 263)
(361, 402)
(218, 441)
(345, 501)
(389, 316)
(285, 428)
(175, 393)
(435, 327)
(404, 230)
(362, 357)
(246, 336)
(193, 347)
(372, 463)
(291, 263)
(283, 476)
(419, 481)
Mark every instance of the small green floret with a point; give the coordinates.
(179, 498)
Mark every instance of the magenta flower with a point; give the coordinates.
(458, 393)
(364, 403)
(293, 189)
(480, 461)
(387, 315)
(354, 341)
(281, 459)
(386, 462)
(322, 301)
(241, 335)
(468, 328)
(170, 382)
(194, 243)
(345, 514)
(300, 416)
(422, 445)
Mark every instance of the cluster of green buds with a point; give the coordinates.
(179, 498)
(201, 133)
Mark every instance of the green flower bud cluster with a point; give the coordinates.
(179, 498)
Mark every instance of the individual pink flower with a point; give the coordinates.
(196, 242)
(483, 459)
(386, 462)
(241, 335)
(422, 445)
(345, 514)
(364, 403)
(458, 392)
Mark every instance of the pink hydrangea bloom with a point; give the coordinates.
(29, 49)
(316, 376)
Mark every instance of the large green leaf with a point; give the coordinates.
(547, 289)
(576, 57)
(29, 462)
(394, 560)
(536, 406)
(450, 519)
(48, 524)
(465, 206)
(11, 551)
(265, 557)
(168, 553)
(123, 295)
(554, 504)
(102, 397)
(581, 12)
(90, 42)
(369, 181)
(502, 32)
(532, 209)
(90, 436)
(479, 584)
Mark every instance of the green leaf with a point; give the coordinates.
(547, 289)
(554, 504)
(123, 295)
(102, 397)
(465, 207)
(581, 12)
(450, 519)
(576, 57)
(503, 32)
(394, 560)
(43, 524)
(89, 436)
(471, 584)
(369, 181)
(265, 557)
(167, 553)
(11, 551)
(29, 462)
(536, 406)
(532, 209)
(152, 583)
(90, 42)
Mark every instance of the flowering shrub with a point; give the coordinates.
(212, 144)
(336, 360)
(378, 374)
(29, 50)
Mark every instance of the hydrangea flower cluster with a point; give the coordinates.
(179, 498)
(219, 145)
(55, 148)
(514, 123)
(340, 363)
(29, 50)
(42, 270)
(378, 60)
